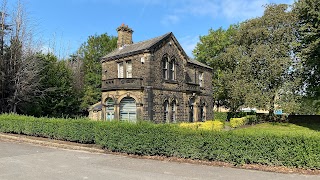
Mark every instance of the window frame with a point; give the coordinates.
(120, 71)
(173, 111)
(200, 78)
(128, 71)
(166, 117)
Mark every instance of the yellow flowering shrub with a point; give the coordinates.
(207, 125)
(237, 122)
(190, 125)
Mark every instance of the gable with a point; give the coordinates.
(150, 45)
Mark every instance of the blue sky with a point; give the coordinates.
(65, 24)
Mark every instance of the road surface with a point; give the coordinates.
(27, 161)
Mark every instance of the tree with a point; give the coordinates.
(59, 96)
(91, 53)
(209, 50)
(268, 44)
(254, 64)
(309, 47)
(19, 67)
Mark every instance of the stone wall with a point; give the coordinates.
(156, 89)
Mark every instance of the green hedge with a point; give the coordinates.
(145, 138)
(222, 116)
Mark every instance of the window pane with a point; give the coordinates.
(129, 69)
(128, 109)
(201, 79)
(109, 109)
(173, 112)
(165, 69)
(120, 70)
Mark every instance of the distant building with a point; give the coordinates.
(153, 80)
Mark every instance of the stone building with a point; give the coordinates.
(154, 80)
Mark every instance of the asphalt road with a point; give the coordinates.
(25, 161)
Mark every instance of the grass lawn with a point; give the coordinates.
(283, 129)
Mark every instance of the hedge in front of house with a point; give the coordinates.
(70, 130)
(145, 138)
(222, 116)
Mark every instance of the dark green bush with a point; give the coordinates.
(145, 138)
(221, 116)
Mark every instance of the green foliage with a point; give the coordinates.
(254, 64)
(63, 129)
(215, 125)
(58, 97)
(237, 122)
(222, 116)
(91, 52)
(209, 50)
(309, 46)
(272, 144)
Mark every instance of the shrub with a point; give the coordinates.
(252, 119)
(221, 116)
(144, 138)
(237, 122)
(193, 126)
(212, 125)
(207, 125)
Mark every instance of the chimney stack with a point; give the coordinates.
(124, 35)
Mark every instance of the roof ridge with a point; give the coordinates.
(139, 42)
(136, 47)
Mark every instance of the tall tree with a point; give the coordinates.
(91, 53)
(308, 12)
(268, 46)
(59, 97)
(18, 61)
(209, 50)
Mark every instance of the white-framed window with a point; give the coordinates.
(125, 66)
(128, 109)
(120, 70)
(202, 113)
(201, 79)
(166, 112)
(173, 111)
(129, 69)
(109, 109)
(165, 68)
(172, 75)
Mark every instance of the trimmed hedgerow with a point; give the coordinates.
(220, 115)
(144, 138)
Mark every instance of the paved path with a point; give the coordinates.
(25, 161)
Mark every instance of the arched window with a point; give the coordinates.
(191, 109)
(165, 64)
(128, 109)
(202, 113)
(109, 109)
(173, 111)
(166, 112)
(172, 73)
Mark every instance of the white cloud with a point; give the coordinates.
(231, 10)
(242, 9)
(188, 43)
(170, 19)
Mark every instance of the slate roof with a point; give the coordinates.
(139, 47)
(193, 61)
(96, 107)
(135, 48)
